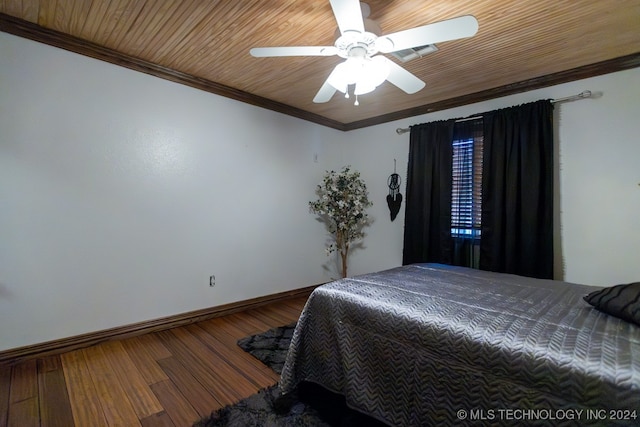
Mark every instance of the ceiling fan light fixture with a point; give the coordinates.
(346, 73)
(365, 73)
(341, 77)
(363, 87)
(373, 73)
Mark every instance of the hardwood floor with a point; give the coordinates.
(167, 378)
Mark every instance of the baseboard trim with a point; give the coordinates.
(49, 348)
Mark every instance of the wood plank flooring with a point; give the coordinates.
(169, 378)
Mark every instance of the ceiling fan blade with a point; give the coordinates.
(401, 78)
(261, 52)
(327, 90)
(325, 93)
(451, 29)
(348, 15)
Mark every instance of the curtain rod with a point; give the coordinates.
(581, 95)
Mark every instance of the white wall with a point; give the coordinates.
(120, 193)
(598, 182)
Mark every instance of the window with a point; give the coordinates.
(466, 190)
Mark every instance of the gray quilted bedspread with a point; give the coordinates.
(431, 345)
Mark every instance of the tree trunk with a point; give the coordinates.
(343, 255)
(343, 248)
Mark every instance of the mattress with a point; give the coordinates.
(429, 344)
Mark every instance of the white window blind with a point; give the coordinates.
(466, 191)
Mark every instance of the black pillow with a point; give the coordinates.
(622, 301)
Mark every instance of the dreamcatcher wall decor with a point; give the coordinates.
(394, 198)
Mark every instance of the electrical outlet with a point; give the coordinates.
(212, 281)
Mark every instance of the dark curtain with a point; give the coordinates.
(517, 187)
(427, 231)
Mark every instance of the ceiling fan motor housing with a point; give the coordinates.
(356, 44)
(354, 38)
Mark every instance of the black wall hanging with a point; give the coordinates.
(394, 198)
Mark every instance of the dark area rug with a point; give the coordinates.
(310, 406)
(270, 347)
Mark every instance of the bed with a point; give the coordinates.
(430, 344)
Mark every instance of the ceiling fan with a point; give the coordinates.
(359, 42)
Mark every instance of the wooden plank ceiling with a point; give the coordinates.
(520, 45)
